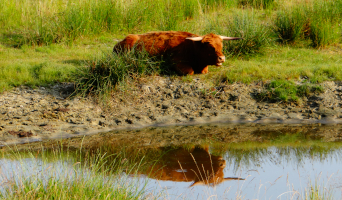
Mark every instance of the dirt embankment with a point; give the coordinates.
(154, 137)
(44, 113)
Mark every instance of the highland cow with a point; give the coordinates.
(197, 166)
(190, 53)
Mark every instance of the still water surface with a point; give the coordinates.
(272, 176)
(287, 168)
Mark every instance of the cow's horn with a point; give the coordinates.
(194, 38)
(232, 178)
(230, 38)
(197, 183)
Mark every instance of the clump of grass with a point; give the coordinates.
(324, 33)
(320, 74)
(317, 21)
(317, 191)
(287, 91)
(104, 73)
(288, 26)
(187, 79)
(256, 36)
(323, 23)
(79, 175)
(57, 189)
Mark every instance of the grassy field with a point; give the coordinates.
(44, 42)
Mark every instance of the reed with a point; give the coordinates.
(288, 26)
(256, 36)
(324, 23)
(46, 22)
(261, 4)
(324, 33)
(103, 74)
(69, 174)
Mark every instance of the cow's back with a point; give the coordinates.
(161, 42)
(156, 43)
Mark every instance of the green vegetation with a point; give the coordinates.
(324, 33)
(71, 174)
(256, 3)
(290, 147)
(106, 72)
(317, 192)
(56, 189)
(40, 66)
(281, 90)
(284, 63)
(256, 36)
(45, 42)
(289, 26)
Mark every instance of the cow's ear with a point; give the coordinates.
(230, 38)
(194, 38)
(197, 183)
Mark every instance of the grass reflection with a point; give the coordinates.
(106, 166)
(66, 173)
(288, 148)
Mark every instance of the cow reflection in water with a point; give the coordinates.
(196, 165)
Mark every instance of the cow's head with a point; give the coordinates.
(212, 174)
(210, 48)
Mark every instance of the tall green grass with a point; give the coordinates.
(83, 176)
(208, 5)
(318, 21)
(256, 35)
(324, 33)
(103, 74)
(57, 189)
(288, 25)
(46, 22)
(257, 3)
(316, 191)
(324, 23)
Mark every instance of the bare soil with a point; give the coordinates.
(28, 115)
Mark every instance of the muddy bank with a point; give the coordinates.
(44, 113)
(154, 137)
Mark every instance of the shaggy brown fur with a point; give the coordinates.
(189, 52)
